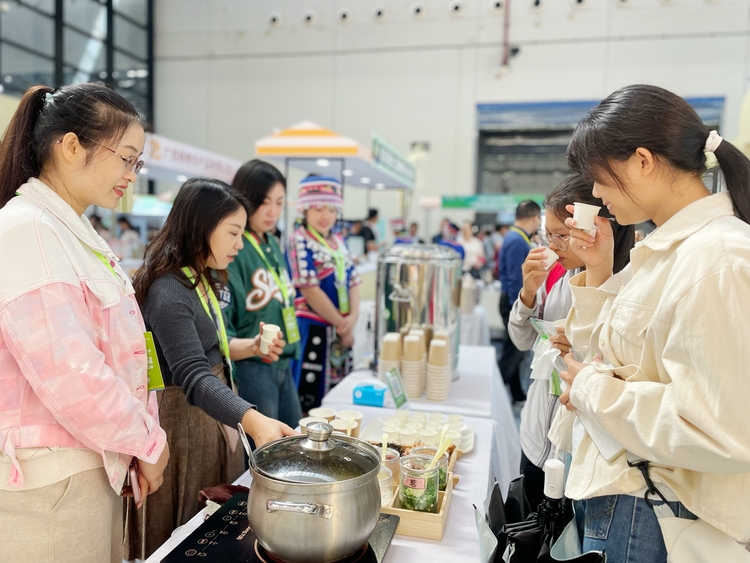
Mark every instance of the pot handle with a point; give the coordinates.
(323, 510)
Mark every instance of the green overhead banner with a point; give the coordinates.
(489, 203)
(390, 161)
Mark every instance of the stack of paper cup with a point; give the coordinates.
(390, 354)
(422, 340)
(428, 334)
(413, 367)
(270, 333)
(438, 372)
(584, 214)
(443, 335)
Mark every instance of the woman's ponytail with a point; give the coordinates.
(735, 167)
(18, 153)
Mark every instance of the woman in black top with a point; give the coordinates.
(177, 288)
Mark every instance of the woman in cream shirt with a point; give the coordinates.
(671, 328)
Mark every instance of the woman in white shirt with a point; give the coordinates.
(474, 259)
(671, 328)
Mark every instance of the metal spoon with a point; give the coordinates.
(246, 445)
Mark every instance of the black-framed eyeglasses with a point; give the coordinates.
(560, 242)
(131, 162)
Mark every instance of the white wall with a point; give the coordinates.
(225, 77)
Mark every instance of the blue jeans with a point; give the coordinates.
(270, 388)
(627, 529)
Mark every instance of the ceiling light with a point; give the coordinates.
(322, 162)
(348, 173)
(181, 178)
(379, 186)
(364, 180)
(144, 170)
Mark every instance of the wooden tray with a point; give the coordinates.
(422, 524)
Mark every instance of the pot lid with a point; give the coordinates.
(318, 457)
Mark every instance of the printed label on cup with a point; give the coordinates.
(418, 483)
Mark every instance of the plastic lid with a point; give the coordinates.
(316, 458)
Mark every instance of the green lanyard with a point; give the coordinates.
(337, 255)
(280, 283)
(109, 266)
(216, 317)
(155, 379)
(340, 260)
(520, 232)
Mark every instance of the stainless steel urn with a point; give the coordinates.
(419, 284)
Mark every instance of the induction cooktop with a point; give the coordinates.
(226, 537)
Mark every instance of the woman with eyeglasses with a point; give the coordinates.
(534, 301)
(75, 406)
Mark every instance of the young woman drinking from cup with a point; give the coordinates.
(534, 301)
(671, 328)
(75, 406)
(260, 289)
(177, 287)
(328, 294)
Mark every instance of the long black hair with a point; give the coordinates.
(662, 122)
(576, 188)
(94, 112)
(199, 207)
(254, 180)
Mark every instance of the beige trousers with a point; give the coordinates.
(76, 520)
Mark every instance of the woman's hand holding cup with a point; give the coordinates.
(596, 251)
(534, 271)
(269, 343)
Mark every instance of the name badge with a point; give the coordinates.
(290, 325)
(155, 379)
(343, 299)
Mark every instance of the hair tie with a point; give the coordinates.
(713, 142)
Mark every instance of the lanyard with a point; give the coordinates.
(216, 317)
(520, 232)
(109, 266)
(281, 284)
(337, 255)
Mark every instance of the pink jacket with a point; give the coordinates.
(72, 352)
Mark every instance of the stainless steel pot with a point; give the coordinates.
(315, 497)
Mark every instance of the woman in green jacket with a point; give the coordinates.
(260, 290)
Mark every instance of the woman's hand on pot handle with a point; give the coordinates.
(596, 251)
(263, 429)
(534, 274)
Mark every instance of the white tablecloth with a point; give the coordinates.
(460, 542)
(474, 329)
(479, 392)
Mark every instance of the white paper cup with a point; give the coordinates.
(415, 425)
(428, 437)
(408, 436)
(455, 418)
(584, 215)
(353, 415)
(550, 257)
(454, 436)
(323, 412)
(393, 433)
(270, 332)
(342, 425)
(394, 421)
